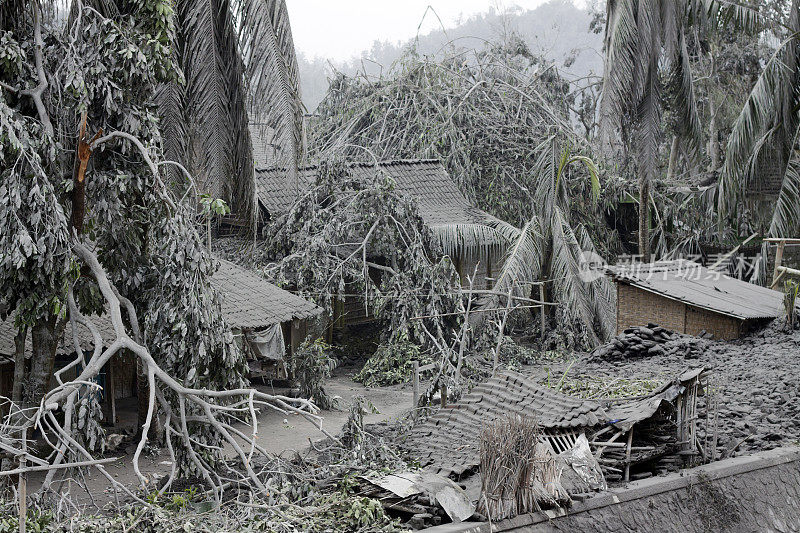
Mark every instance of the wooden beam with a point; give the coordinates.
(778, 259)
(782, 240)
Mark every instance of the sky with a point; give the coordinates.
(342, 29)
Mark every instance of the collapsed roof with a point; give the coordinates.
(693, 284)
(449, 442)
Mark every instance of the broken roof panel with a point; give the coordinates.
(693, 284)
(438, 198)
(450, 440)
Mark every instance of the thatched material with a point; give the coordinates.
(519, 474)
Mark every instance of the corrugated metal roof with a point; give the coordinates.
(248, 302)
(693, 284)
(425, 180)
(450, 440)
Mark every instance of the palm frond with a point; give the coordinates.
(171, 100)
(786, 217)
(621, 62)
(770, 116)
(273, 77)
(685, 103)
(522, 262)
(474, 239)
(569, 288)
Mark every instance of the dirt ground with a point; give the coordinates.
(278, 434)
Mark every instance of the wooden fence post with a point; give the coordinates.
(541, 299)
(415, 364)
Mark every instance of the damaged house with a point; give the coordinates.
(267, 322)
(629, 438)
(441, 204)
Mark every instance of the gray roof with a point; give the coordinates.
(251, 302)
(695, 285)
(248, 302)
(261, 137)
(450, 440)
(425, 180)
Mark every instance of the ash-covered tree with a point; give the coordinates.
(484, 113)
(88, 226)
(647, 64)
(498, 119)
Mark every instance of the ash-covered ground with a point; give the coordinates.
(755, 379)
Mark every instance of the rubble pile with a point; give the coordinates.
(755, 391)
(650, 341)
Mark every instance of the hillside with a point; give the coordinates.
(558, 30)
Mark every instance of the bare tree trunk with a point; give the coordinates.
(19, 365)
(44, 340)
(644, 219)
(673, 158)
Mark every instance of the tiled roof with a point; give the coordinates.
(248, 301)
(65, 346)
(438, 198)
(261, 139)
(693, 284)
(450, 440)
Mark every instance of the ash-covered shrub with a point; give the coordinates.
(311, 364)
(392, 363)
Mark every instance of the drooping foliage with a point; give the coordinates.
(101, 67)
(239, 67)
(647, 65)
(353, 236)
(765, 141)
(498, 119)
(483, 113)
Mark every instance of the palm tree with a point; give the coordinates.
(644, 39)
(240, 67)
(768, 131)
(551, 247)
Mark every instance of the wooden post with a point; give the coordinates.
(415, 364)
(22, 489)
(444, 395)
(541, 299)
(778, 259)
(628, 456)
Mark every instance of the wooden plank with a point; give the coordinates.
(778, 259)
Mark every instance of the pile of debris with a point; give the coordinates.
(419, 499)
(650, 341)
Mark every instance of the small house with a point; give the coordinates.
(441, 206)
(267, 322)
(688, 298)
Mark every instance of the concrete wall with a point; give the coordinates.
(637, 307)
(759, 492)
